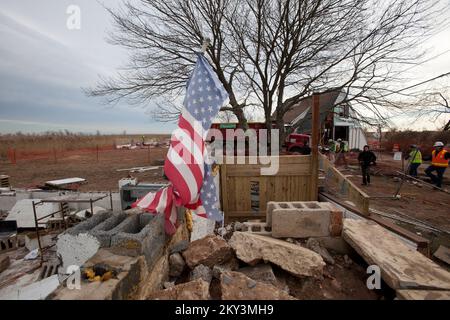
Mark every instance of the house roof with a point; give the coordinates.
(326, 102)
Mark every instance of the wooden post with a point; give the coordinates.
(97, 152)
(315, 147)
(148, 154)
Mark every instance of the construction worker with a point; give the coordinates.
(340, 152)
(439, 162)
(366, 158)
(416, 160)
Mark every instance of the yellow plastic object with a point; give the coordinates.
(189, 221)
(107, 276)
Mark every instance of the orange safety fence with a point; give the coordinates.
(14, 155)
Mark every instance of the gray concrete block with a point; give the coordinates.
(300, 219)
(105, 230)
(89, 224)
(134, 238)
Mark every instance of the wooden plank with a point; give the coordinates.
(355, 194)
(401, 267)
(249, 160)
(443, 254)
(223, 188)
(315, 133)
(423, 294)
(251, 170)
(421, 242)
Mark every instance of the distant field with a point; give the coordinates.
(62, 141)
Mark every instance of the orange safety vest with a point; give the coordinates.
(439, 160)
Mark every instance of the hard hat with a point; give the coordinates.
(330, 140)
(413, 146)
(438, 144)
(339, 139)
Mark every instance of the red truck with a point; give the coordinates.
(294, 142)
(297, 143)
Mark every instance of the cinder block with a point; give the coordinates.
(105, 230)
(8, 243)
(89, 224)
(304, 219)
(257, 227)
(140, 235)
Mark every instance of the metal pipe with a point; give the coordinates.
(37, 233)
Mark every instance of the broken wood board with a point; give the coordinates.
(443, 254)
(65, 183)
(401, 267)
(345, 186)
(423, 294)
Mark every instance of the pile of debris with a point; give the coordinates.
(246, 261)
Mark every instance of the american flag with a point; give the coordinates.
(185, 161)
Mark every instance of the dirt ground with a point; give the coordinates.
(417, 201)
(101, 175)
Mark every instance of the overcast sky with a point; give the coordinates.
(44, 65)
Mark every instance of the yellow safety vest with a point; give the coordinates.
(416, 156)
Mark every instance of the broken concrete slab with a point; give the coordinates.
(201, 272)
(39, 290)
(31, 241)
(23, 214)
(315, 246)
(76, 249)
(193, 290)
(304, 219)
(4, 262)
(263, 272)
(443, 254)
(423, 294)
(179, 246)
(237, 286)
(201, 227)
(230, 265)
(401, 267)
(176, 264)
(210, 250)
(252, 248)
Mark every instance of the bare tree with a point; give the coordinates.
(272, 52)
(163, 37)
(289, 49)
(433, 104)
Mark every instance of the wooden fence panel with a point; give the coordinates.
(245, 191)
(345, 186)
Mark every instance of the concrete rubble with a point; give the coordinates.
(300, 246)
(210, 250)
(252, 249)
(177, 264)
(201, 272)
(237, 286)
(193, 290)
